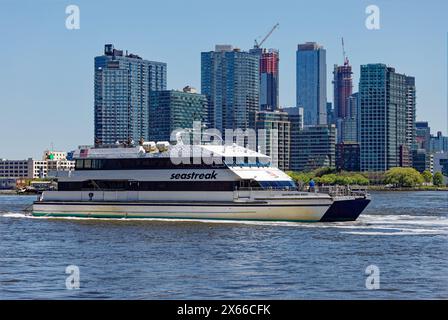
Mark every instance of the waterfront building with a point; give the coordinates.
(383, 103)
(438, 143)
(316, 147)
(441, 165)
(311, 82)
(354, 110)
(171, 109)
(54, 155)
(348, 127)
(422, 135)
(410, 113)
(269, 77)
(347, 130)
(230, 80)
(422, 160)
(33, 169)
(348, 156)
(123, 83)
(405, 156)
(29, 169)
(295, 117)
(276, 142)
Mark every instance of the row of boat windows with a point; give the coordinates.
(125, 185)
(161, 163)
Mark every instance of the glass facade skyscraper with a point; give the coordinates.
(277, 137)
(384, 110)
(316, 147)
(170, 110)
(230, 80)
(123, 83)
(311, 82)
(422, 135)
(295, 117)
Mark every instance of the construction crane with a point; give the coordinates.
(258, 45)
(343, 53)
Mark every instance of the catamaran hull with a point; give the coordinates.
(224, 211)
(345, 209)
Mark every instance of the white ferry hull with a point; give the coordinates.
(229, 211)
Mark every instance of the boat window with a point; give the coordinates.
(79, 164)
(277, 184)
(141, 164)
(88, 164)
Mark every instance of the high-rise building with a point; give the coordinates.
(330, 114)
(171, 110)
(311, 86)
(383, 104)
(422, 135)
(277, 136)
(347, 130)
(269, 77)
(348, 156)
(231, 81)
(422, 160)
(295, 117)
(438, 143)
(345, 119)
(342, 89)
(410, 113)
(441, 165)
(354, 110)
(316, 147)
(348, 127)
(123, 83)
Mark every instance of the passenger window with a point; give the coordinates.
(88, 164)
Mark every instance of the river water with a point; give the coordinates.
(402, 236)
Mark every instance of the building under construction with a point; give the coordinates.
(269, 75)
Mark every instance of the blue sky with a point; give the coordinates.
(46, 77)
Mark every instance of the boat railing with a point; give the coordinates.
(265, 189)
(343, 191)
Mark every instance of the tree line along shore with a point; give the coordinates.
(394, 179)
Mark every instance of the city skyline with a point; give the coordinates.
(57, 62)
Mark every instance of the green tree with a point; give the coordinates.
(319, 172)
(359, 179)
(438, 179)
(403, 177)
(427, 176)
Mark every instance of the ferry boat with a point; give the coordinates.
(159, 180)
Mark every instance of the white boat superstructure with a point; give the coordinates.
(188, 182)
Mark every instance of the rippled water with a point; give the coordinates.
(405, 234)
